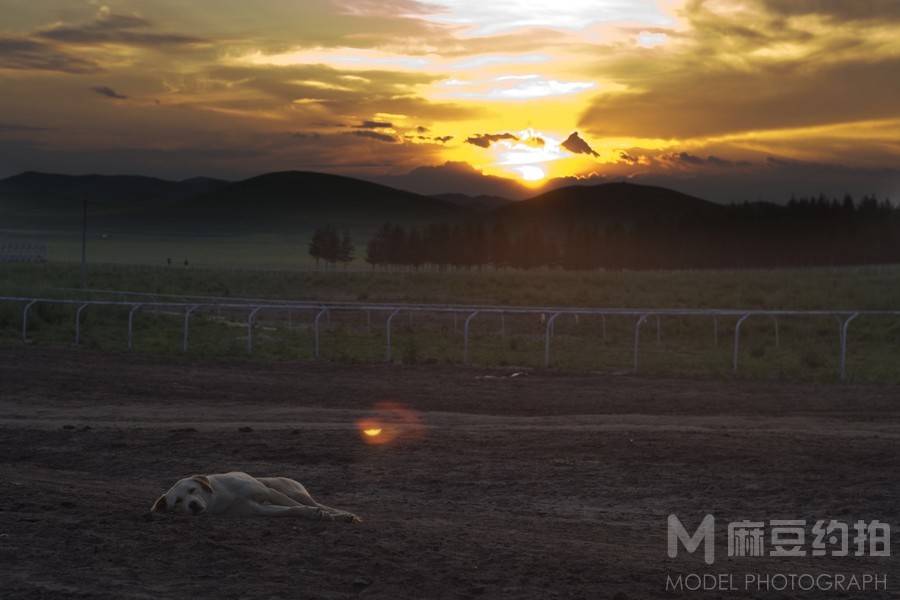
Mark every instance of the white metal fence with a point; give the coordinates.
(137, 302)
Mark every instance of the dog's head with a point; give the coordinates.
(188, 496)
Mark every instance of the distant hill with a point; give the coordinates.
(308, 199)
(474, 202)
(52, 201)
(622, 203)
(275, 202)
(299, 201)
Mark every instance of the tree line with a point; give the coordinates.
(805, 232)
(331, 247)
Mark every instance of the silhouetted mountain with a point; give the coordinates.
(278, 202)
(56, 196)
(297, 200)
(609, 203)
(455, 178)
(51, 202)
(479, 203)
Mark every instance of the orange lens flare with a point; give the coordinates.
(390, 422)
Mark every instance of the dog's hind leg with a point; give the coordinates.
(298, 512)
(290, 488)
(282, 486)
(301, 512)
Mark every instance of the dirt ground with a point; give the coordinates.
(536, 486)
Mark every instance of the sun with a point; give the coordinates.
(531, 173)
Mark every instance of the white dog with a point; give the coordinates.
(240, 495)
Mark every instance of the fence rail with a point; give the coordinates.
(547, 315)
(22, 251)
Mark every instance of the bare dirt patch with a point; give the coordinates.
(540, 486)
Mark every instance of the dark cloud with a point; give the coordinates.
(27, 54)
(375, 125)
(730, 73)
(839, 10)
(693, 160)
(629, 158)
(576, 145)
(729, 101)
(443, 138)
(365, 92)
(107, 91)
(17, 128)
(374, 135)
(688, 159)
(484, 140)
(421, 129)
(115, 29)
(724, 162)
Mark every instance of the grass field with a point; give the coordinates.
(808, 347)
(245, 251)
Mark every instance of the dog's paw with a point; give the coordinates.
(349, 518)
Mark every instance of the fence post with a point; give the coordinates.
(187, 320)
(466, 337)
(25, 320)
(78, 323)
(316, 329)
(387, 333)
(737, 340)
(844, 329)
(658, 331)
(547, 335)
(777, 332)
(637, 339)
(133, 310)
(716, 331)
(251, 318)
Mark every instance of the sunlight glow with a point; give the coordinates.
(517, 87)
(489, 18)
(531, 173)
(646, 39)
(525, 157)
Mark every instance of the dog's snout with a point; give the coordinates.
(195, 507)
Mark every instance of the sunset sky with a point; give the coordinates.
(731, 99)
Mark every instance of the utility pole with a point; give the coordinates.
(84, 205)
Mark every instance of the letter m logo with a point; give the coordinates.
(705, 535)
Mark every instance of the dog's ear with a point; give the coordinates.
(203, 480)
(160, 505)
